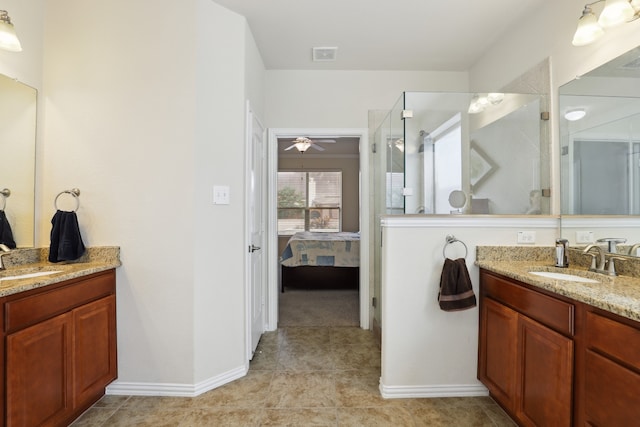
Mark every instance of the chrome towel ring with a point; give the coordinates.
(5, 192)
(450, 240)
(74, 192)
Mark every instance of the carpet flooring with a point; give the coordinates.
(335, 307)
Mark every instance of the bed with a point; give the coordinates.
(316, 259)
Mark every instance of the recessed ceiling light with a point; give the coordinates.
(575, 114)
(325, 53)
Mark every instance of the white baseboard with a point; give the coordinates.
(122, 388)
(447, 390)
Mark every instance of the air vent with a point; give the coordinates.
(633, 65)
(325, 53)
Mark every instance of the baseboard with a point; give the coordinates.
(122, 388)
(447, 390)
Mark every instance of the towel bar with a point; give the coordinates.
(450, 240)
(75, 192)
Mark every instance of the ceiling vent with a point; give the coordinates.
(325, 53)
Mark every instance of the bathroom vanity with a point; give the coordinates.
(59, 341)
(553, 352)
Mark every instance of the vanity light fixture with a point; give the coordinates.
(575, 114)
(481, 101)
(8, 37)
(615, 12)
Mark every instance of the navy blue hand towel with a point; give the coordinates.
(6, 235)
(66, 241)
(456, 290)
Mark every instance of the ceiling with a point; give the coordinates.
(433, 35)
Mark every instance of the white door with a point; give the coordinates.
(256, 231)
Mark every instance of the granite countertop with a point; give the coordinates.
(23, 261)
(619, 294)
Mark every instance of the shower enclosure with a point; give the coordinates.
(438, 153)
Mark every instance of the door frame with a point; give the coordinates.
(272, 256)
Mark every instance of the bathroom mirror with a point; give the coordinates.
(17, 157)
(600, 154)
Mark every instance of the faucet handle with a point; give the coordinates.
(612, 242)
(594, 263)
(611, 271)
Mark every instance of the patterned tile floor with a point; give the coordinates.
(300, 376)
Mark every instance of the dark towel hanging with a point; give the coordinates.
(66, 241)
(456, 290)
(6, 235)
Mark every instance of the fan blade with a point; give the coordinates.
(317, 147)
(290, 147)
(326, 141)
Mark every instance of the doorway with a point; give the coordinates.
(273, 253)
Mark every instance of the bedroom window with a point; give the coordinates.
(309, 201)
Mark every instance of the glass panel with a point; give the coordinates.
(489, 157)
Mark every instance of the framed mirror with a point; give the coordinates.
(600, 155)
(17, 161)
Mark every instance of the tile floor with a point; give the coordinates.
(300, 376)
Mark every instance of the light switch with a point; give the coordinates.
(221, 195)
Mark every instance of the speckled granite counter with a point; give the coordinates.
(23, 261)
(619, 294)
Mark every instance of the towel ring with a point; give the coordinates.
(74, 192)
(450, 240)
(5, 192)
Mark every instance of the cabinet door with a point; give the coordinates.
(546, 375)
(38, 390)
(611, 392)
(94, 349)
(498, 351)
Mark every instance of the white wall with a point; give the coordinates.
(145, 122)
(427, 352)
(342, 99)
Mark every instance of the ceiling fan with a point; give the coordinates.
(302, 144)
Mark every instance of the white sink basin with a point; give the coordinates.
(563, 276)
(28, 275)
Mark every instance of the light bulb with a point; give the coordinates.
(615, 12)
(495, 98)
(575, 114)
(588, 29)
(8, 37)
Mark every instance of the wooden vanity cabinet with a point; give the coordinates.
(60, 347)
(525, 353)
(608, 370)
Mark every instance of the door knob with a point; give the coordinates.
(254, 248)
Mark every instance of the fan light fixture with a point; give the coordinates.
(8, 37)
(615, 12)
(302, 145)
(575, 114)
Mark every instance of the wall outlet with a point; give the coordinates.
(528, 237)
(584, 237)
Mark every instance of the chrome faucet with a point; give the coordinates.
(4, 250)
(597, 267)
(633, 249)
